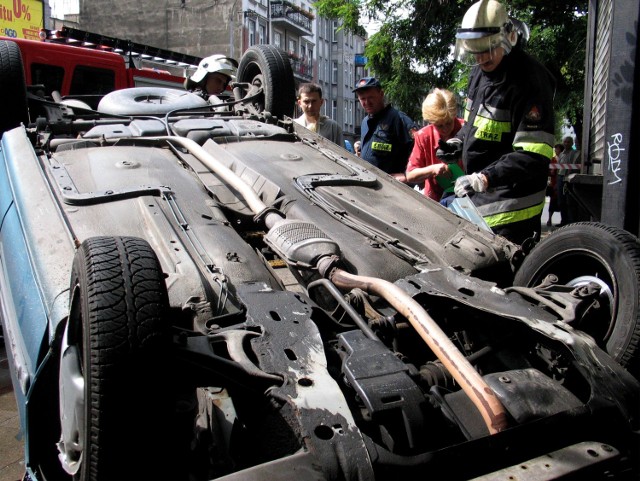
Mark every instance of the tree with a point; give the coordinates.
(412, 52)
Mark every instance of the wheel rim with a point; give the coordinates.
(578, 268)
(72, 402)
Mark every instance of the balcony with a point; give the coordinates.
(302, 67)
(291, 17)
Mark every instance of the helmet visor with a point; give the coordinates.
(475, 51)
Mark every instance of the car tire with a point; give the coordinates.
(112, 404)
(267, 67)
(13, 87)
(148, 101)
(587, 251)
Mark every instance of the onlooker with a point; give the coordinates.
(552, 192)
(310, 101)
(506, 142)
(385, 136)
(213, 75)
(568, 156)
(439, 109)
(357, 145)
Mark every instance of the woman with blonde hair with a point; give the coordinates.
(440, 110)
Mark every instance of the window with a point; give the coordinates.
(263, 34)
(48, 75)
(277, 39)
(252, 32)
(351, 80)
(334, 31)
(334, 72)
(326, 70)
(350, 118)
(91, 80)
(293, 47)
(334, 109)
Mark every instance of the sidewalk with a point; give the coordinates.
(11, 450)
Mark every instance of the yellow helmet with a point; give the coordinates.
(485, 27)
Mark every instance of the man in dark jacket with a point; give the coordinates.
(386, 138)
(507, 141)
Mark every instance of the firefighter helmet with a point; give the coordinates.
(215, 64)
(485, 27)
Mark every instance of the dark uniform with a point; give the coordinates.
(508, 136)
(386, 140)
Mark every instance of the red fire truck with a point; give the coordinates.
(72, 62)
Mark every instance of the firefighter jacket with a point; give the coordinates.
(508, 136)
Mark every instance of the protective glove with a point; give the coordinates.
(449, 151)
(468, 184)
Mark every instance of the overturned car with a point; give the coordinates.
(195, 290)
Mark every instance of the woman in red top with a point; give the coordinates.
(439, 109)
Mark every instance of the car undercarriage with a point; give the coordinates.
(226, 295)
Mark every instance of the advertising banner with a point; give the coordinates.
(21, 18)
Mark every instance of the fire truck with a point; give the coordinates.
(85, 65)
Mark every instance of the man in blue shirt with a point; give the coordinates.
(385, 136)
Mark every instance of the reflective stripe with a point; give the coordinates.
(514, 216)
(466, 115)
(534, 136)
(491, 130)
(507, 211)
(489, 112)
(536, 141)
(381, 146)
(542, 149)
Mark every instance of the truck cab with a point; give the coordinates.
(606, 189)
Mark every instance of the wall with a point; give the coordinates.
(196, 27)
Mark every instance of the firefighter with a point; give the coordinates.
(507, 140)
(213, 76)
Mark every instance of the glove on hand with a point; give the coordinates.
(449, 151)
(467, 184)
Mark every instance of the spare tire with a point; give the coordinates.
(13, 87)
(148, 101)
(591, 252)
(268, 68)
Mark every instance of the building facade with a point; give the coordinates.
(318, 50)
(340, 64)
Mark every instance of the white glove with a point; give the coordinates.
(467, 184)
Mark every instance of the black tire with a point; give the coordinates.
(586, 251)
(13, 87)
(148, 101)
(267, 67)
(114, 426)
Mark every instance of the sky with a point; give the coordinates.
(60, 7)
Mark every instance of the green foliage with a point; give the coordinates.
(411, 54)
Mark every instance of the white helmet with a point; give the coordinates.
(215, 63)
(485, 27)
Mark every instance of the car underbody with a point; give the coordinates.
(249, 301)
